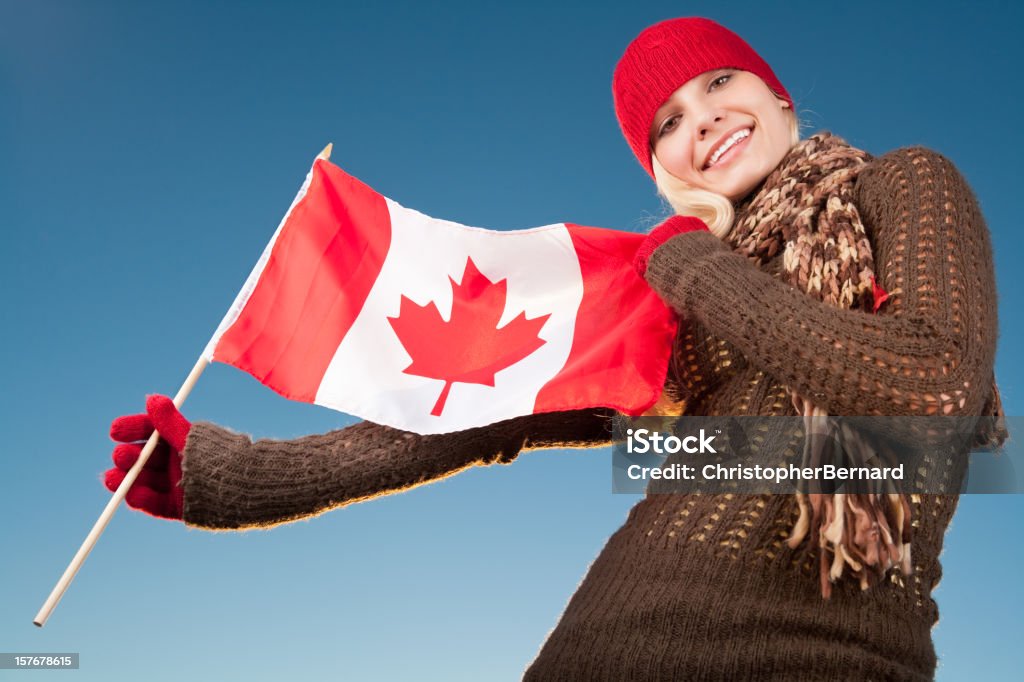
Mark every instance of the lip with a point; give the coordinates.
(722, 140)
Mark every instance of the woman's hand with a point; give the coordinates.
(677, 224)
(157, 490)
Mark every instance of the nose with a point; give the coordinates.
(707, 121)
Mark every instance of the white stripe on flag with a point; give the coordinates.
(543, 277)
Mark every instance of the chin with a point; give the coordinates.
(743, 185)
(738, 191)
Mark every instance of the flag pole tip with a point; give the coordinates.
(326, 153)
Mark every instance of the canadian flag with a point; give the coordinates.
(376, 310)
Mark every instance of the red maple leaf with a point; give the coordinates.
(469, 348)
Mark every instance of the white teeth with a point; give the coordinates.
(733, 139)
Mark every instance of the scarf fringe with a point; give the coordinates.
(863, 534)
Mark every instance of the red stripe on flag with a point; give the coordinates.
(624, 332)
(320, 271)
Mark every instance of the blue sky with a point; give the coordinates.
(149, 150)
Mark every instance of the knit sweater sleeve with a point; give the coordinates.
(231, 482)
(928, 351)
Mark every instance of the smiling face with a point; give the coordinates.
(723, 131)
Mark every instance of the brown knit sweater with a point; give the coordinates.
(703, 587)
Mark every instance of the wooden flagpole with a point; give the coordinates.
(122, 490)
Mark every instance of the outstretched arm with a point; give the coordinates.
(929, 351)
(231, 482)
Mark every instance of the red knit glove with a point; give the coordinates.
(156, 491)
(677, 224)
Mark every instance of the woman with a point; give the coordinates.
(813, 279)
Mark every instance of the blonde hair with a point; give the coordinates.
(714, 209)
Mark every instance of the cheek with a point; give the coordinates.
(780, 141)
(779, 121)
(676, 159)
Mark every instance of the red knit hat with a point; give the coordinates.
(663, 58)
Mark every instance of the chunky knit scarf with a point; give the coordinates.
(805, 209)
